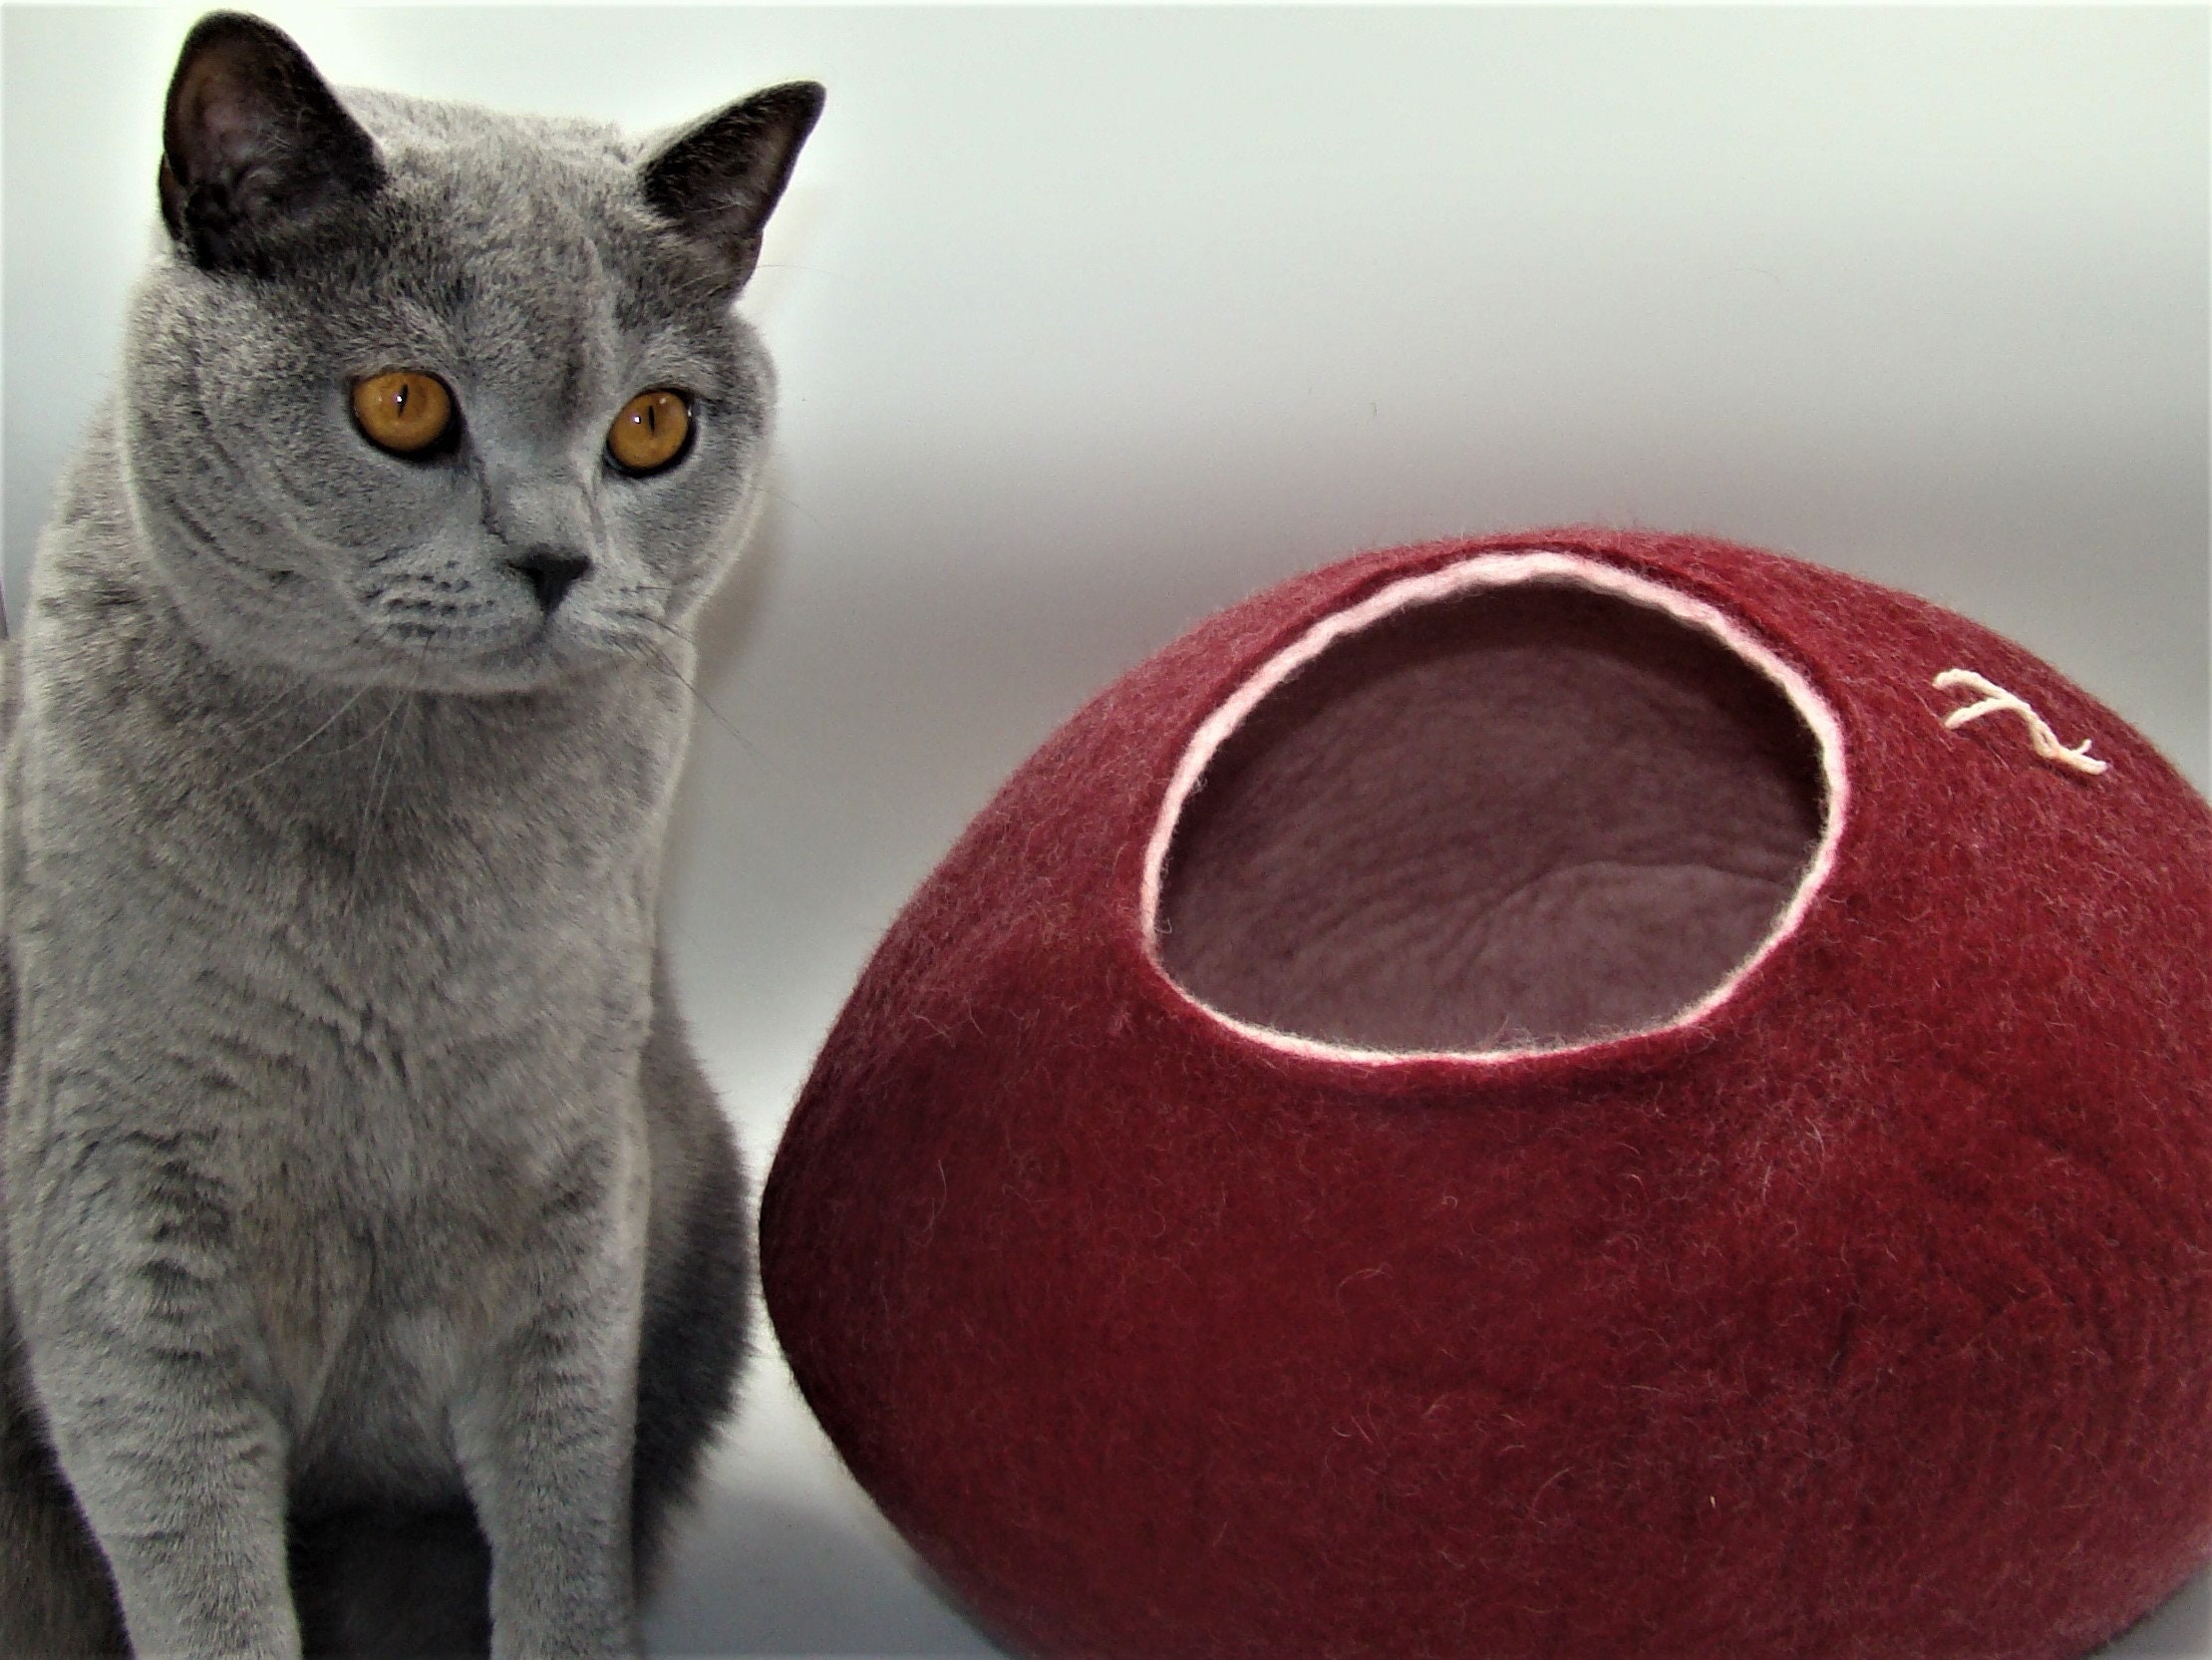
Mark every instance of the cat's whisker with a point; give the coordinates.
(399, 701)
(268, 710)
(780, 499)
(335, 717)
(699, 698)
(403, 701)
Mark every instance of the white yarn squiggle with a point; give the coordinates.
(1995, 698)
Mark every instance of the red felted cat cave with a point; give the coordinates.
(1581, 1096)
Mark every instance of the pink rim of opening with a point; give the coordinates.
(1487, 572)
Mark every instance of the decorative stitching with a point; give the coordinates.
(1996, 698)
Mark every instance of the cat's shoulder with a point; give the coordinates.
(91, 580)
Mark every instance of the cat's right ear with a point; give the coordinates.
(718, 180)
(254, 144)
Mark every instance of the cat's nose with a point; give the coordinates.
(550, 573)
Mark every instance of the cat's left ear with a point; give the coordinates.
(719, 180)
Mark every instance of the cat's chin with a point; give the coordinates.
(440, 668)
(528, 667)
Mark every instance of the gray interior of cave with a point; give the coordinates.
(1528, 816)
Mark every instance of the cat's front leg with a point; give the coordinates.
(545, 1430)
(138, 1342)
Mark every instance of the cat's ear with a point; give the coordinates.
(254, 143)
(719, 180)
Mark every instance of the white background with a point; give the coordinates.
(1092, 321)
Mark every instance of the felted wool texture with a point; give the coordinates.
(1865, 1313)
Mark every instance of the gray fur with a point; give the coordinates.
(353, 1148)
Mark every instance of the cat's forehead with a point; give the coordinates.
(489, 184)
(524, 236)
(477, 137)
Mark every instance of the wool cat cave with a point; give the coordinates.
(1556, 1097)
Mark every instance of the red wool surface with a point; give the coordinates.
(1866, 1314)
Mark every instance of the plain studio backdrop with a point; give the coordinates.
(1090, 321)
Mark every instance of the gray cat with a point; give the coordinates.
(375, 1252)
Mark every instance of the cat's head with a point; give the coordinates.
(421, 395)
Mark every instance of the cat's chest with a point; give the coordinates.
(386, 1048)
(382, 970)
(364, 918)
(379, 822)
(390, 1207)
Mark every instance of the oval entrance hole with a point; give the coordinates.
(1524, 816)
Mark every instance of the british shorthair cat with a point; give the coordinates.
(377, 1255)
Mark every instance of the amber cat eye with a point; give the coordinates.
(650, 432)
(403, 410)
